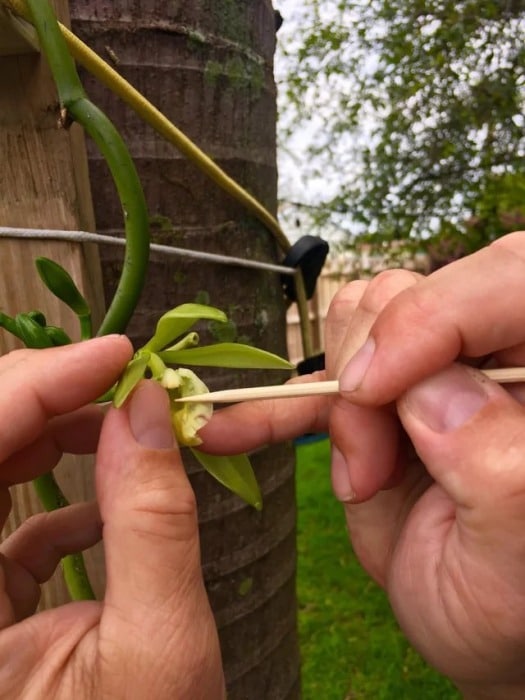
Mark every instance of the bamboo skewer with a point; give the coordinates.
(502, 375)
(265, 392)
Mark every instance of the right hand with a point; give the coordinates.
(429, 456)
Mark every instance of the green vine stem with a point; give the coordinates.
(47, 489)
(73, 565)
(76, 106)
(79, 108)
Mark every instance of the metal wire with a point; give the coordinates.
(86, 237)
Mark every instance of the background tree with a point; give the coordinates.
(209, 67)
(415, 110)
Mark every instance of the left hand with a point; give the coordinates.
(154, 633)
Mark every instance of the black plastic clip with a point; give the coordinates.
(308, 253)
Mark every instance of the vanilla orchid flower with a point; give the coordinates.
(187, 418)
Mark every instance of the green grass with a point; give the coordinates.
(351, 647)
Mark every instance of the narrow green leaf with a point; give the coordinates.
(178, 320)
(236, 473)
(62, 285)
(130, 378)
(226, 355)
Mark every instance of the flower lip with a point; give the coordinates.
(187, 419)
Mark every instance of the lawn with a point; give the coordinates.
(351, 646)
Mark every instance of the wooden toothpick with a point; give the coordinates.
(502, 375)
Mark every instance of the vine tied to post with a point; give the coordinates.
(234, 472)
(152, 116)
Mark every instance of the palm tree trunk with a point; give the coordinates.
(209, 67)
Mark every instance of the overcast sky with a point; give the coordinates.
(292, 157)
(296, 183)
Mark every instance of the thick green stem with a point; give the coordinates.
(112, 147)
(73, 566)
(99, 127)
(134, 209)
(86, 329)
(51, 497)
(107, 138)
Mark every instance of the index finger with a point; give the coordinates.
(248, 426)
(37, 385)
(471, 307)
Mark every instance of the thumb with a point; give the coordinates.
(469, 432)
(155, 607)
(149, 512)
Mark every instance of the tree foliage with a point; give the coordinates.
(417, 107)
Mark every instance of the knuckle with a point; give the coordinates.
(387, 285)
(346, 300)
(514, 239)
(166, 507)
(415, 308)
(33, 524)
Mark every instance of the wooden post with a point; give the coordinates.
(16, 35)
(44, 184)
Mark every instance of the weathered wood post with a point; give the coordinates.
(43, 184)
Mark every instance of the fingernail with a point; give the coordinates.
(355, 370)
(447, 400)
(341, 478)
(104, 338)
(149, 416)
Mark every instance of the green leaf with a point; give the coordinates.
(131, 377)
(226, 355)
(177, 321)
(60, 282)
(235, 472)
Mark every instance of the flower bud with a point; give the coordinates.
(60, 282)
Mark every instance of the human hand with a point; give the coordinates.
(443, 532)
(154, 634)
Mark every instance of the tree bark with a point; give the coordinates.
(209, 67)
